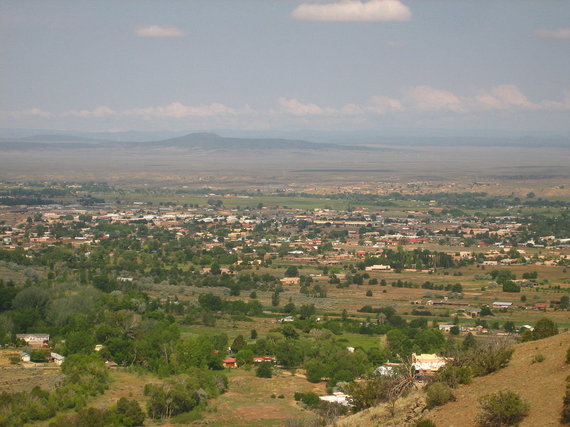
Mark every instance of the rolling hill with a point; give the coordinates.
(541, 384)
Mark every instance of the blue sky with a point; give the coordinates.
(285, 65)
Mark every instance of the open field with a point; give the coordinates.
(249, 403)
(24, 376)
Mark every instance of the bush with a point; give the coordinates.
(438, 394)
(504, 408)
(264, 370)
(424, 423)
(454, 375)
(310, 399)
(565, 419)
(490, 357)
(538, 358)
(568, 356)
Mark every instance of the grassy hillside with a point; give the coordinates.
(541, 384)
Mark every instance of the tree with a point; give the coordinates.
(129, 413)
(544, 328)
(238, 344)
(292, 271)
(504, 408)
(253, 334)
(264, 370)
(469, 341)
(275, 299)
(315, 370)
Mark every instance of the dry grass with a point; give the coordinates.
(248, 401)
(541, 384)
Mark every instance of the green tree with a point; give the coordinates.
(264, 370)
(128, 413)
(292, 271)
(238, 344)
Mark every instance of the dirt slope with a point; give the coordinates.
(541, 384)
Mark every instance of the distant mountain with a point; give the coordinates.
(212, 141)
(195, 141)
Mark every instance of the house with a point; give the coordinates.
(500, 304)
(378, 267)
(35, 340)
(445, 328)
(290, 281)
(337, 397)
(385, 370)
(473, 312)
(428, 364)
(230, 362)
(25, 357)
(58, 359)
(540, 306)
(264, 359)
(286, 319)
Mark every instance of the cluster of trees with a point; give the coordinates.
(184, 393)
(85, 376)
(125, 413)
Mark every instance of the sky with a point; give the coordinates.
(274, 65)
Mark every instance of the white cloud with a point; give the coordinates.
(504, 97)
(383, 104)
(559, 33)
(178, 110)
(354, 11)
(297, 108)
(100, 111)
(159, 31)
(427, 98)
(31, 112)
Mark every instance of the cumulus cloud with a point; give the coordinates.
(297, 108)
(559, 33)
(427, 98)
(100, 111)
(32, 112)
(159, 31)
(179, 110)
(504, 97)
(354, 11)
(383, 105)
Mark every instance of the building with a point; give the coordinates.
(337, 397)
(230, 362)
(428, 364)
(35, 340)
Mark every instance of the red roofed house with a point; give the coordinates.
(230, 362)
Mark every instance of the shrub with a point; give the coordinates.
(568, 355)
(264, 370)
(503, 408)
(543, 328)
(310, 399)
(565, 419)
(454, 375)
(438, 394)
(490, 357)
(538, 358)
(128, 413)
(315, 371)
(424, 423)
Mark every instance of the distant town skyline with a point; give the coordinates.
(276, 65)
